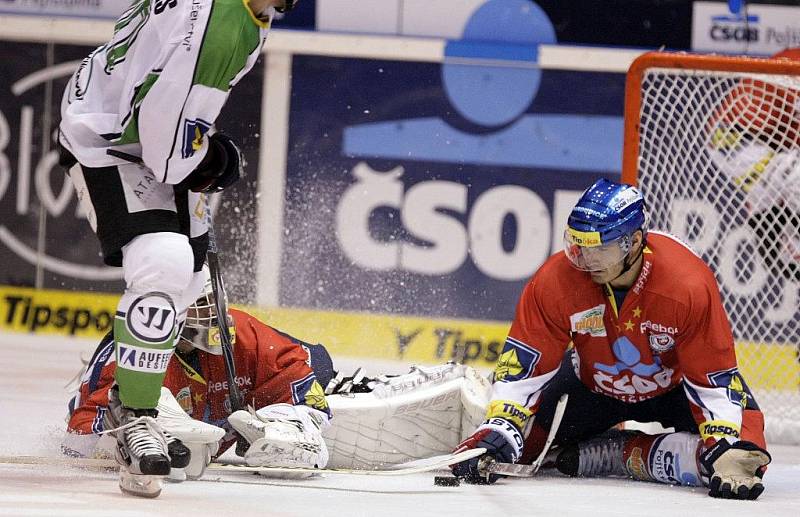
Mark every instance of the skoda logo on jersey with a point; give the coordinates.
(151, 318)
(184, 398)
(193, 131)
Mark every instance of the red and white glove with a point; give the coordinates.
(502, 441)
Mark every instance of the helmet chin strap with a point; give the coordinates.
(626, 265)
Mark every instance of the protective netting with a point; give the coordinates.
(719, 164)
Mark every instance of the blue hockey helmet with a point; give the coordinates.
(601, 224)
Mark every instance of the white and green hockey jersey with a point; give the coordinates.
(154, 91)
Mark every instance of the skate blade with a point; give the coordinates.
(177, 475)
(140, 485)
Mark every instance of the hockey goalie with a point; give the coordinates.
(355, 422)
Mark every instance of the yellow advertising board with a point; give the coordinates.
(405, 338)
(412, 339)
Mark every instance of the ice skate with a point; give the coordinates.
(598, 457)
(142, 449)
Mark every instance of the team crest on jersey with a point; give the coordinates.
(737, 390)
(309, 392)
(516, 362)
(193, 132)
(589, 321)
(661, 343)
(184, 398)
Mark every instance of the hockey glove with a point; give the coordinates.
(221, 167)
(283, 435)
(735, 469)
(502, 441)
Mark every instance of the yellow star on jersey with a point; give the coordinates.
(637, 312)
(198, 398)
(629, 325)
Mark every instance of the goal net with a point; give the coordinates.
(714, 144)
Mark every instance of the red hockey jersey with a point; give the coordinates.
(671, 329)
(271, 368)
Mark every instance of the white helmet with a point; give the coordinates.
(201, 328)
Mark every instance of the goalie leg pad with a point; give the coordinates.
(425, 412)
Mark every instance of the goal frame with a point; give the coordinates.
(782, 426)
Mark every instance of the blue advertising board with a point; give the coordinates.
(437, 189)
(44, 237)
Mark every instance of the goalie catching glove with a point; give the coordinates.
(502, 441)
(735, 469)
(283, 435)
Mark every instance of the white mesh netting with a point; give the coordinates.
(719, 163)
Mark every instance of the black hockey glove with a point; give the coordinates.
(221, 167)
(735, 469)
(496, 436)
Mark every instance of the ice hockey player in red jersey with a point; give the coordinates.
(651, 342)
(277, 375)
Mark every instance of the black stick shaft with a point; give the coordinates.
(218, 287)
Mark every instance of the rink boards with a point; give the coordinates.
(417, 340)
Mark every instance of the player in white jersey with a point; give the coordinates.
(138, 139)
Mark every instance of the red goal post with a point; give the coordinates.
(714, 144)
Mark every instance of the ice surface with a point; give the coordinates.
(33, 400)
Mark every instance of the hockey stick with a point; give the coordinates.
(515, 470)
(220, 304)
(401, 469)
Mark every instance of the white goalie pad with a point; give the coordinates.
(423, 413)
